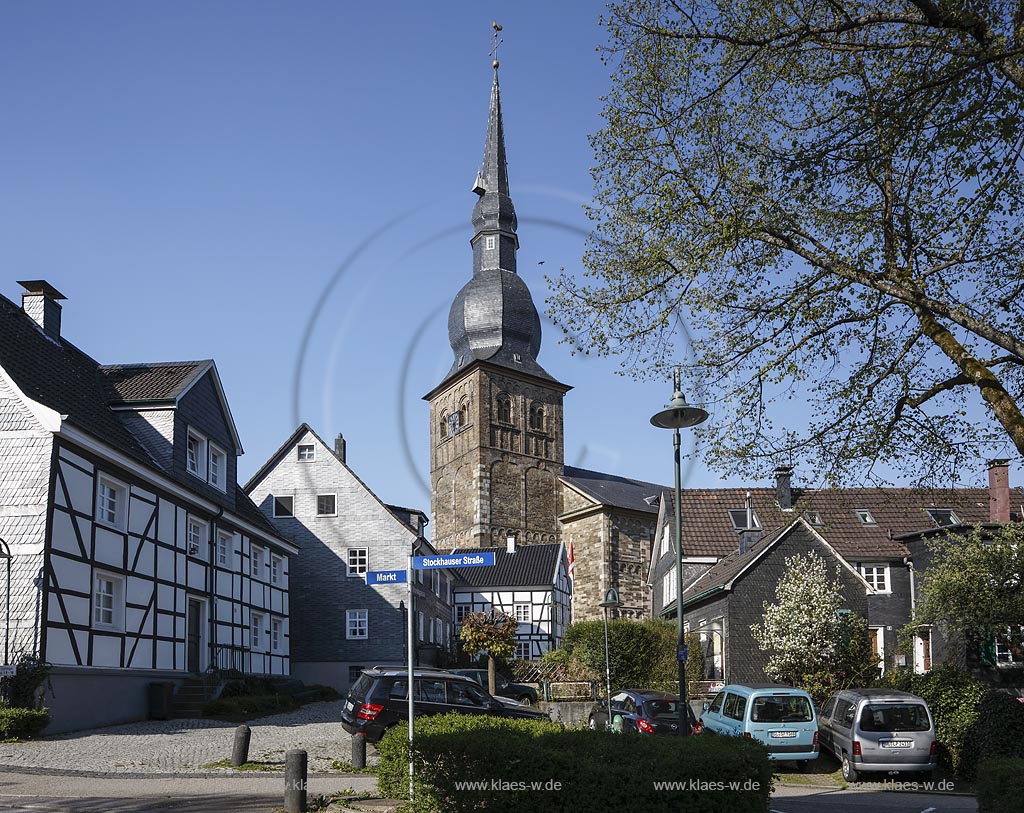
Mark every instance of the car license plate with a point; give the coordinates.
(349, 706)
(896, 743)
(782, 735)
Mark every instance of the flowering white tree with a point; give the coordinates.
(809, 643)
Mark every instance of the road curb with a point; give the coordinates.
(226, 773)
(924, 791)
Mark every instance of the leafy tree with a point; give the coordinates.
(493, 633)
(974, 581)
(831, 193)
(809, 642)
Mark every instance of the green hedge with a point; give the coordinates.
(1000, 785)
(953, 697)
(21, 724)
(997, 732)
(569, 770)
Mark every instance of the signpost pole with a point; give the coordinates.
(410, 683)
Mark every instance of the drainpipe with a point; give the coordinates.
(211, 621)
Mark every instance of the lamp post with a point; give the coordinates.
(611, 601)
(676, 416)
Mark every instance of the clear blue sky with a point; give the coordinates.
(285, 187)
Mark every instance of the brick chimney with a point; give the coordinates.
(999, 490)
(784, 487)
(40, 301)
(339, 447)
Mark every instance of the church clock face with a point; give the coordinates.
(454, 423)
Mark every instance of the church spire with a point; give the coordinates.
(494, 217)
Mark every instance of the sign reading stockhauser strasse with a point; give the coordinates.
(453, 560)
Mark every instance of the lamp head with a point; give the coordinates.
(678, 414)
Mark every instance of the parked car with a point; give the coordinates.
(521, 693)
(641, 711)
(378, 700)
(872, 730)
(781, 717)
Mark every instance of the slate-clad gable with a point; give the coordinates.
(200, 408)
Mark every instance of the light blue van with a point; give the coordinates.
(781, 717)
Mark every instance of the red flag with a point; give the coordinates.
(572, 564)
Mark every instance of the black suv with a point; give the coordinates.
(378, 700)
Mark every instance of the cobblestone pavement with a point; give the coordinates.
(186, 746)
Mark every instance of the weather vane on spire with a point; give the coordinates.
(495, 42)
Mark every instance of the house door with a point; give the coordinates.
(194, 645)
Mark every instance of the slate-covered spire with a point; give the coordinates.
(494, 216)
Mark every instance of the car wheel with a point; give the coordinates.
(803, 765)
(525, 699)
(849, 772)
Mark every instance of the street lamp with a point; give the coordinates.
(679, 415)
(611, 602)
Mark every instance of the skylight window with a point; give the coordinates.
(814, 518)
(943, 517)
(738, 517)
(865, 516)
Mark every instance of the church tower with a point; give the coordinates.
(496, 442)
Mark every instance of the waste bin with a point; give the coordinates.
(159, 700)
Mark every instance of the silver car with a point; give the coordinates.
(878, 730)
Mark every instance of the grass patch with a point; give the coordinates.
(344, 766)
(247, 766)
(821, 771)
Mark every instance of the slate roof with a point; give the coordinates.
(613, 490)
(162, 381)
(60, 376)
(708, 531)
(529, 566)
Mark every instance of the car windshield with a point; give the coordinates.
(894, 717)
(660, 708)
(781, 709)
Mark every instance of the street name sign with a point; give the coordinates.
(453, 560)
(387, 577)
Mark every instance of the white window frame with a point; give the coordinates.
(462, 610)
(196, 533)
(196, 464)
(669, 588)
(300, 452)
(220, 481)
(256, 561)
(225, 547)
(419, 625)
(742, 512)
(276, 634)
(524, 650)
(523, 612)
(666, 540)
(880, 638)
(865, 516)
(357, 625)
(256, 632)
(276, 568)
(439, 631)
(273, 504)
(117, 601)
(354, 568)
(490, 242)
(333, 513)
(435, 582)
(871, 571)
(120, 493)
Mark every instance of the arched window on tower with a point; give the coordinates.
(464, 412)
(537, 417)
(443, 425)
(504, 409)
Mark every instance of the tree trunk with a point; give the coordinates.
(490, 674)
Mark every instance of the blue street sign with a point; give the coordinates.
(453, 560)
(681, 653)
(387, 577)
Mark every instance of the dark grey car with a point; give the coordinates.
(878, 730)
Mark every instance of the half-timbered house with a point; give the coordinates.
(136, 556)
(529, 583)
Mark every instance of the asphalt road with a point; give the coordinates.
(793, 799)
(251, 793)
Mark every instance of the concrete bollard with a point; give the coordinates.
(295, 781)
(240, 749)
(358, 751)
